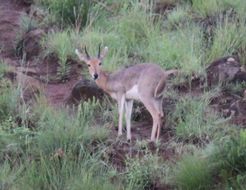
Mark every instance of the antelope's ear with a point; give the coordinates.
(81, 56)
(104, 52)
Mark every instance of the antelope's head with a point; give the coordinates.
(94, 63)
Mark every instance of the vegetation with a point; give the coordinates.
(72, 148)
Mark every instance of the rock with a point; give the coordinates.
(240, 77)
(84, 90)
(30, 45)
(223, 70)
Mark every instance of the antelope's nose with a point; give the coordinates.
(95, 76)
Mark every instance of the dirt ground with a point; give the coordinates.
(10, 13)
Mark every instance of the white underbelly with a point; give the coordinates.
(133, 93)
(113, 95)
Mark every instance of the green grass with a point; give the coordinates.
(189, 116)
(61, 44)
(208, 8)
(6, 92)
(230, 34)
(58, 153)
(69, 12)
(146, 172)
(230, 155)
(178, 17)
(193, 172)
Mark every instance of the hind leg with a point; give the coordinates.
(128, 111)
(158, 106)
(154, 111)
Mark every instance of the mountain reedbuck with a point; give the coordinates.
(143, 82)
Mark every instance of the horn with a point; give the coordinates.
(99, 50)
(87, 54)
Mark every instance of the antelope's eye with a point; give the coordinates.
(100, 63)
(89, 65)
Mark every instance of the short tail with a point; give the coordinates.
(162, 83)
(160, 87)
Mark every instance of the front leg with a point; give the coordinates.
(121, 101)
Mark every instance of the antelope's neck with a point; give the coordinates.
(103, 80)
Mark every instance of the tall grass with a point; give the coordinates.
(145, 172)
(180, 49)
(194, 119)
(231, 35)
(60, 43)
(193, 172)
(69, 12)
(178, 17)
(59, 154)
(208, 8)
(7, 98)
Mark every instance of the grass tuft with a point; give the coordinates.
(193, 173)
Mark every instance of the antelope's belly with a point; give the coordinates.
(133, 93)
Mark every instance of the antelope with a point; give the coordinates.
(143, 82)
